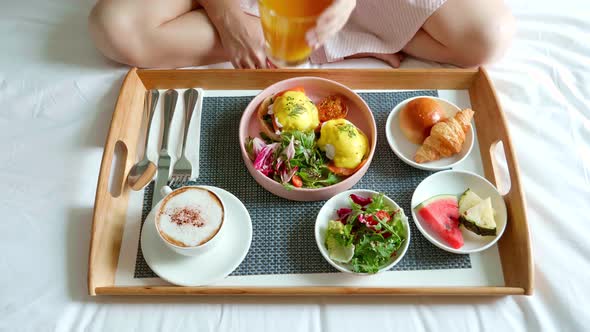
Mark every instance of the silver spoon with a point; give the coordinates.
(143, 172)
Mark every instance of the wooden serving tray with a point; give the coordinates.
(110, 210)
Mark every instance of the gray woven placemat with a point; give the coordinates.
(283, 231)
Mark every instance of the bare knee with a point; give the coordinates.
(116, 32)
(485, 41)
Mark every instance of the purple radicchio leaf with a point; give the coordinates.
(362, 201)
(286, 175)
(264, 159)
(257, 145)
(279, 164)
(343, 214)
(290, 150)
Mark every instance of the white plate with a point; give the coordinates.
(455, 183)
(406, 150)
(328, 212)
(209, 267)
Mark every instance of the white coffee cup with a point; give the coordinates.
(190, 219)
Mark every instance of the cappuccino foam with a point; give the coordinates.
(190, 217)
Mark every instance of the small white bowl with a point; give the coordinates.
(455, 183)
(406, 150)
(328, 212)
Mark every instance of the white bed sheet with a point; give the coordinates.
(57, 95)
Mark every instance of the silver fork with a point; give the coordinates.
(184, 170)
(178, 181)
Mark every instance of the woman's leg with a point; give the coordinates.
(157, 33)
(465, 33)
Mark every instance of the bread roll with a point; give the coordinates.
(418, 116)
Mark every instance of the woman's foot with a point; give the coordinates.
(394, 59)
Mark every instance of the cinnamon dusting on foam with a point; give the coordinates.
(187, 216)
(190, 217)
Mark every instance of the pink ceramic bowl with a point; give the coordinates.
(316, 89)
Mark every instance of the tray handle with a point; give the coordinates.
(110, 205)
(500, 167)
(492, 128)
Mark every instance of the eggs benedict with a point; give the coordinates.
(290, 110)
(344, 144)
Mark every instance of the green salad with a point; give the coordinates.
(366, 235)
(294, 161)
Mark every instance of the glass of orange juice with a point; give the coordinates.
(285, 24)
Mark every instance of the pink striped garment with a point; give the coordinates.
(375, 26)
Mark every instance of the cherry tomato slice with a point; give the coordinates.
(297, 182)
(383, 215)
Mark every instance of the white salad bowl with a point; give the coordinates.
(328, 212)
(455, 183)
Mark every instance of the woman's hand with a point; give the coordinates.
(241, 37)
(330, 22)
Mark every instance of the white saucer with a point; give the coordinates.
(455, 183)
(406, 150)
(209, 267)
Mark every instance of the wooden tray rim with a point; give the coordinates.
(481, 91)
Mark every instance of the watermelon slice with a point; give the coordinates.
(441, 214)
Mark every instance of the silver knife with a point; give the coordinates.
(170, 98)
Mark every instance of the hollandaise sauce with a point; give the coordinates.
(293, 110)
(343, 142)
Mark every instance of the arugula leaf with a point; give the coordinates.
(389, 228)
(377, 204)
(313, 178)
(309, 159)
(356, 211)
(354, 206)
(373, 251)
(374, 245)
(398, 226)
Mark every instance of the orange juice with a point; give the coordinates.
(284, 24)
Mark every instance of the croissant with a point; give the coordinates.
(446, 138)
